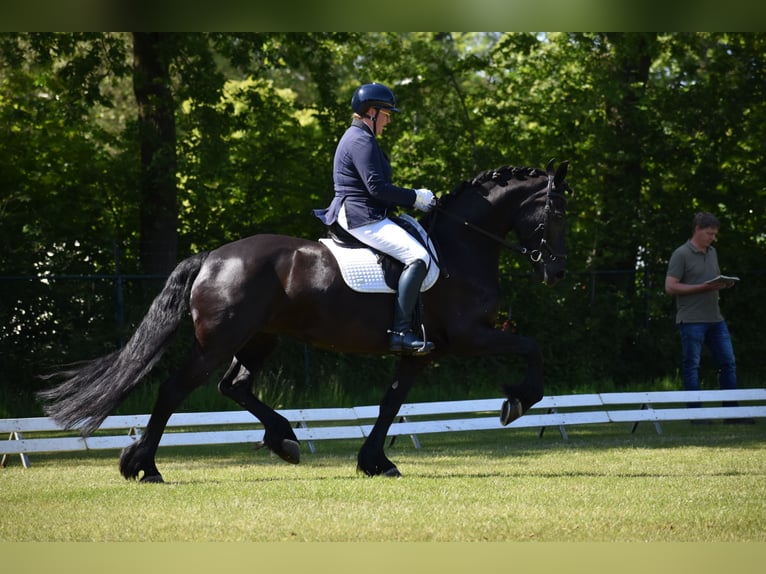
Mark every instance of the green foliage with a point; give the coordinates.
(655, 125)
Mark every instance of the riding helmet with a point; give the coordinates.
(373, 95)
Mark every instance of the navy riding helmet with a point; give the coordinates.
(373, 95)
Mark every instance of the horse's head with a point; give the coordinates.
(531, 201)
(541, 226)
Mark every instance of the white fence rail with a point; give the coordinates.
(41, 434)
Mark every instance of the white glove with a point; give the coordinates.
(424, 200)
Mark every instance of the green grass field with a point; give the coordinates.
(697, 484)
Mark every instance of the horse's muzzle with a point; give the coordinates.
(551, 276)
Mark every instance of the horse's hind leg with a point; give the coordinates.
(140, 456)
(237, 385)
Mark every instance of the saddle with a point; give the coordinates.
(367, 270)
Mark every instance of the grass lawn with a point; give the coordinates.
(604, 484)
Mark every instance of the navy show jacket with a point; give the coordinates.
(362, 180)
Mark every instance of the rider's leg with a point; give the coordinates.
(388, 237)
(403, 338)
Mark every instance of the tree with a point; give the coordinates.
(115, 143)
(152, 53)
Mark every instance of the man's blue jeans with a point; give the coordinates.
(717, 339)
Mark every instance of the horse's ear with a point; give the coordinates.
(551, 163)
(561, 173)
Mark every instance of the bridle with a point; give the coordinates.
(543, 254)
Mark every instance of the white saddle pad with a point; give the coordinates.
(362, 272)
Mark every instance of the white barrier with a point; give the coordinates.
(41, 434)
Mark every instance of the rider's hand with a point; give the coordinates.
(424, 200)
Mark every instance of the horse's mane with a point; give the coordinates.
(498, 176)
(502, 175)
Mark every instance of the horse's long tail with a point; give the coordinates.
(91, 390)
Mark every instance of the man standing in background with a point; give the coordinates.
(692, 279)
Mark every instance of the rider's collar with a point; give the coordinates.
(360, 124)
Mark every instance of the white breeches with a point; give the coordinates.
(389, 238)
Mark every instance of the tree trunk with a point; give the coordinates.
(157, 135)
(622, 176)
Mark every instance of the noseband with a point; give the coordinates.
(543, 254)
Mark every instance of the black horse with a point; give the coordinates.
(245, 294)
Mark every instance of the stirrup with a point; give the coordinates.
(407, 342)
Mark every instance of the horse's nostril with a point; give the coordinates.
(555, 277)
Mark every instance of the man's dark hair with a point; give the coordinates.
(703, 220)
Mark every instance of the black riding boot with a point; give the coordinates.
(402, 336)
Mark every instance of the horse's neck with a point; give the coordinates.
(467, 251)
(502, 210)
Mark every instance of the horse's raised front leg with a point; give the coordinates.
(278, 434)
(521, 396)
(372, 459)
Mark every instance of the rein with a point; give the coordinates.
(505, 243)
(535, 255)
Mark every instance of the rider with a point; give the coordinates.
(364, 195)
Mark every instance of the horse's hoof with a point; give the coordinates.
(392, 472)
(157, 478)
(290, 451)
(360, 470)
(510, 412)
